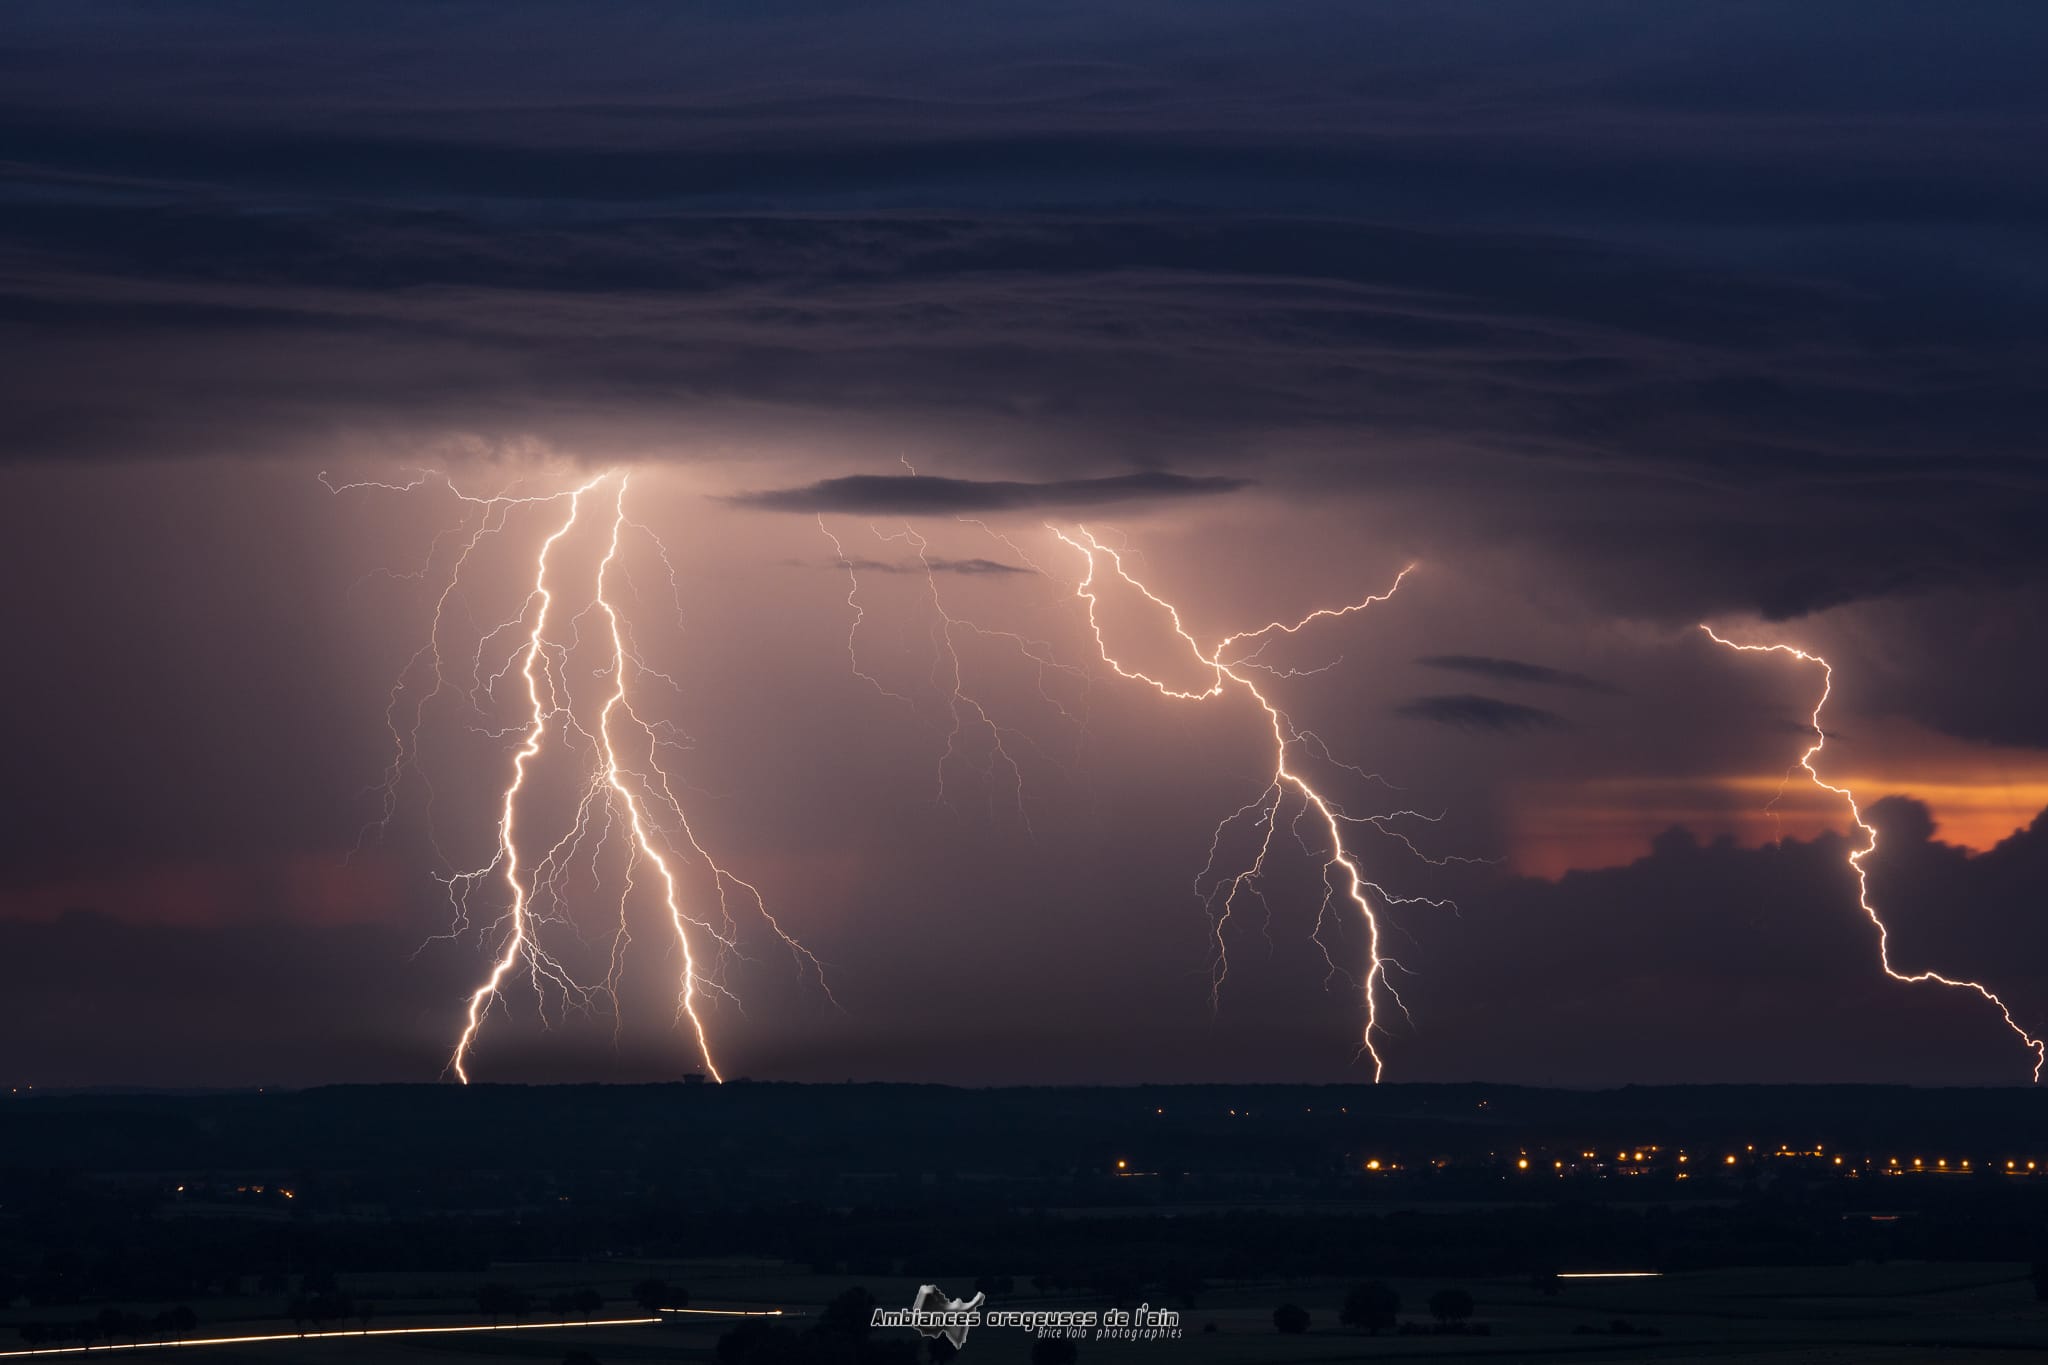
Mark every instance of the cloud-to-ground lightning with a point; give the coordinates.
(1857, 856)
(1226, 666)
(976, 738)
(625, 792)
(1232, 665)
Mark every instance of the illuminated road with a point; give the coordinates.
(391, 1332)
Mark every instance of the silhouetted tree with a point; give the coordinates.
(173, 1324)
(1120, 1287)
(1290, 1319)
(850, 1313)
(994, 1285)
(1053, 1351)
(580, 1358)
(498, 1301)
(759, 1342)
(655, 1295)
(1371, 1306)
(1450, 1305)
(1184, 1284)
(2041, 1280)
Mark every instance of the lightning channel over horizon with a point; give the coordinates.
(1342, 873)
(1869, 846)
(625, 793)
(1297, 797)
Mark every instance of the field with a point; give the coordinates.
(1895, 1312)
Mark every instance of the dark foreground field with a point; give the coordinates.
(1782, 1224)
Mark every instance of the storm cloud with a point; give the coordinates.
(1514, 671)
(1715, 339)
(1614, 318)
(1472, 712)
(922, 494)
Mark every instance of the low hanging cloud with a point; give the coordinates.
(915, 494)
(1516, 671)
(935, 564)
(1474, 713)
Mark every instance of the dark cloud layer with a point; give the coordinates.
(1472, 712)
(1624, 314)
(932, 564)
(1727, 962)
(914, 494)
(1698, 962)
(1660, 290)
(1514, 671)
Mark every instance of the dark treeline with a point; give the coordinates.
(77, 1243)
(174, 1199)
(450, 1130)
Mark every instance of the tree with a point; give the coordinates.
(851, 1313)
(1371, 1306)
(580, 1358)
(758, 1342)
(365, 1310)
(173, 1324)
(995, 1286)
(655, 1295)
(33, 1333)
(1053, 1351)
(586, 1301)
(1290, 1319)
(2041, 1280)
(497, 1301)
(1184, 1283)
(1450, 1305)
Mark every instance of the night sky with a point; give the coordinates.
(1611, 318)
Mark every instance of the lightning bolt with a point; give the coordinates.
(625, 790)
(1869, 831)
(1343, 875)
(975, 737)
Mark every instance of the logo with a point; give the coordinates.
(932, 1314)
